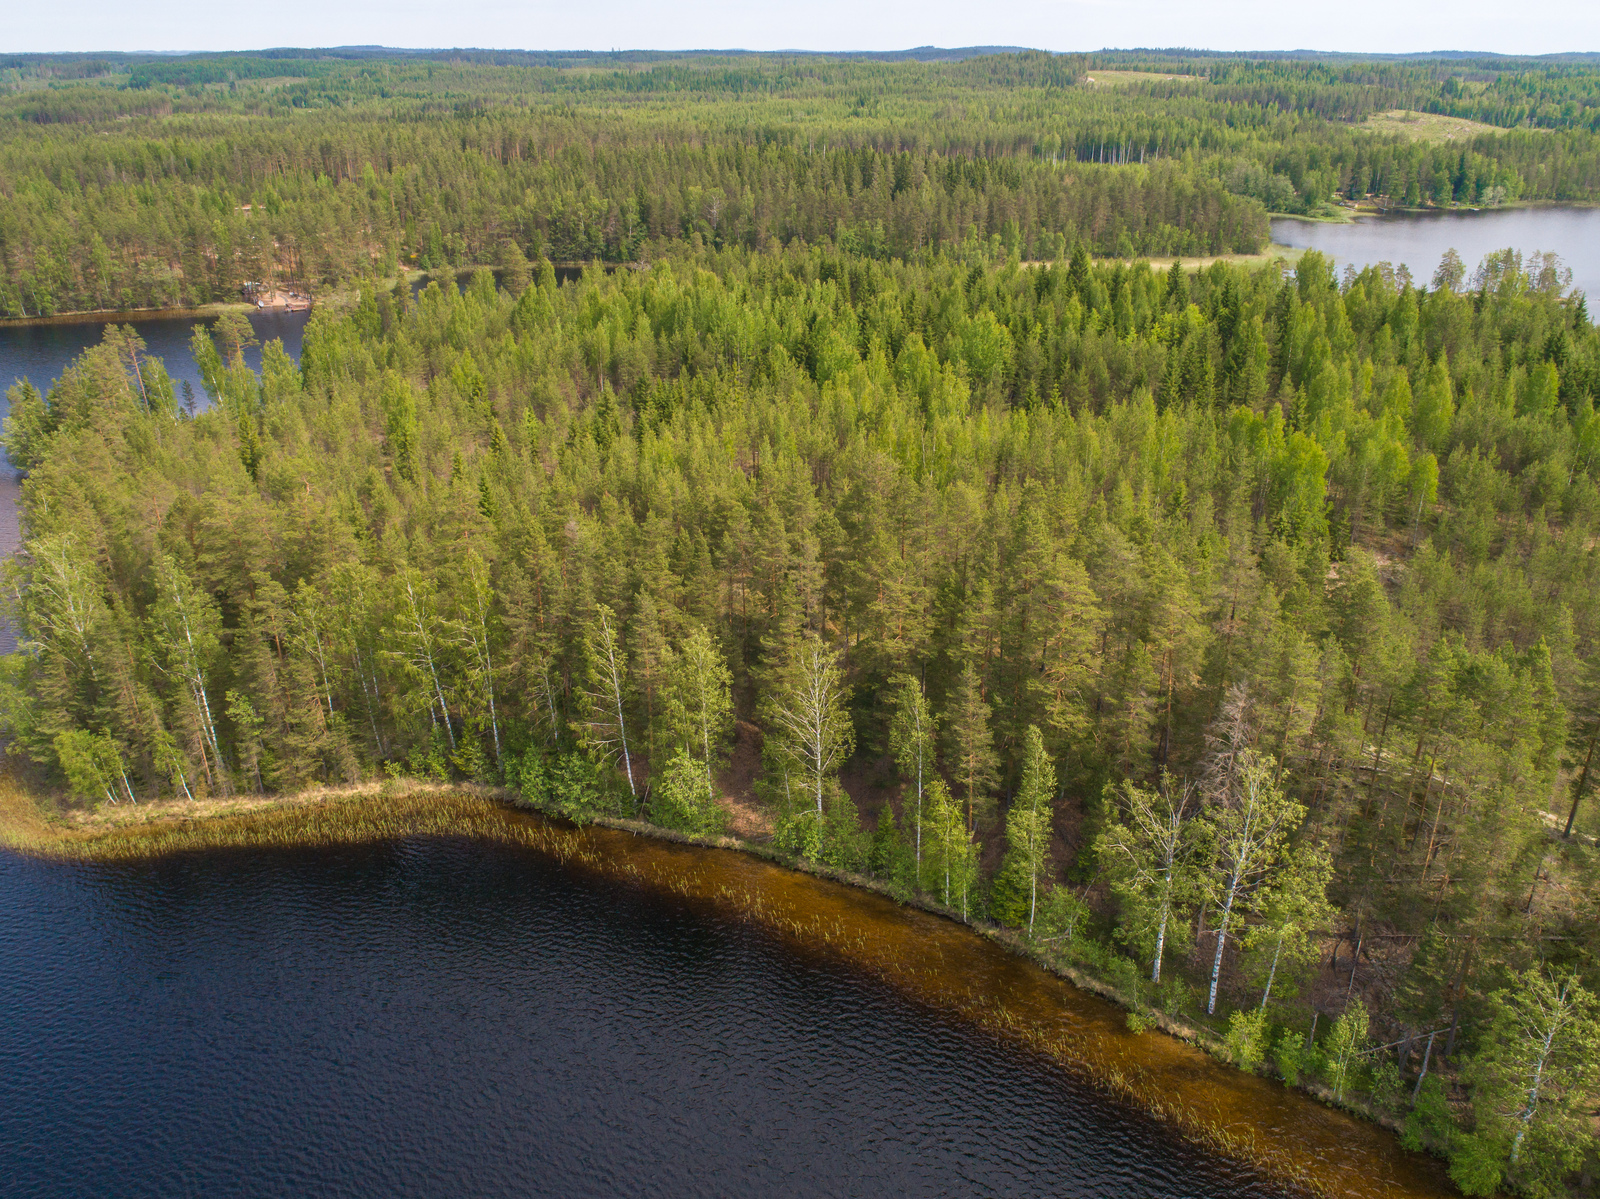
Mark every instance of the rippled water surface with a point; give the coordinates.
(444, 1017)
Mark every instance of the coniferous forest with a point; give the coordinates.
(153, 182)
(1229, 633)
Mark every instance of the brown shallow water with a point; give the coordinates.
(949, 967)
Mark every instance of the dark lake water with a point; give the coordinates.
(1420, 239)
(442, 1017)
(41, 352)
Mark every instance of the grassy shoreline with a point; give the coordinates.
(377, 811)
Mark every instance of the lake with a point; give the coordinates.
(40, 353)
(1420, 239)
(454, 1017)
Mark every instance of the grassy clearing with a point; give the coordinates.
(1199, 262)
(1427, 126)
(1271, 254)
(1125, 78)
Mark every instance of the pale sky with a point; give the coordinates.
(1384, 26)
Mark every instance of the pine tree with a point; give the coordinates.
(969, 747)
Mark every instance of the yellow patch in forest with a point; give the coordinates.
(1427, 126)
(1125, 78)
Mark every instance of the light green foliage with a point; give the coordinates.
(1062, 918)
(92, 767)
(969, 748)
(607, 694)
(810, 724)
(1477, 1164)
(475, 639)
(1249, 1038)
(684, 800)
(1249, 826)
(952, 855)
(187, 628)
(699, 708)
(911, 739)
(1345, 1045)
(1029, 829)
(787, 450)
(1292, 909)
(1149, 849)
(1291, 1056)
(565, 783)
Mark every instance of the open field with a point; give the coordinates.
(1124, 78)
(1200, 261)
(1429, 127)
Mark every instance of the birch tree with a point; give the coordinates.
(472, 633)
(604, 699)
(1028, 823)
(92, 765)
(187, 628)
(63, 611)
(1150, 852)
(421, 643)
(1250, 834)
(700, 701)
(1292, 908)
(1346, 1044)
(1536, 1077)
(912, 743)
(809, 717)
(952, 851)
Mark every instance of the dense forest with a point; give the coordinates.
(1232, 633)
(129, 182)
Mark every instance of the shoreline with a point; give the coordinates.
(1123, 1063)
(1353, 214)
(337, 297)
(129, 316)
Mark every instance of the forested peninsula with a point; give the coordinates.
(1228, 634)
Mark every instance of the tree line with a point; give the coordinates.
(174, 184)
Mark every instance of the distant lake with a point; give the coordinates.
(1420, 239)
(39, 353)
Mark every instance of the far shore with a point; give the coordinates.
(117, 316)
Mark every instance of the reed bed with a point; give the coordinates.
(336, 819)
